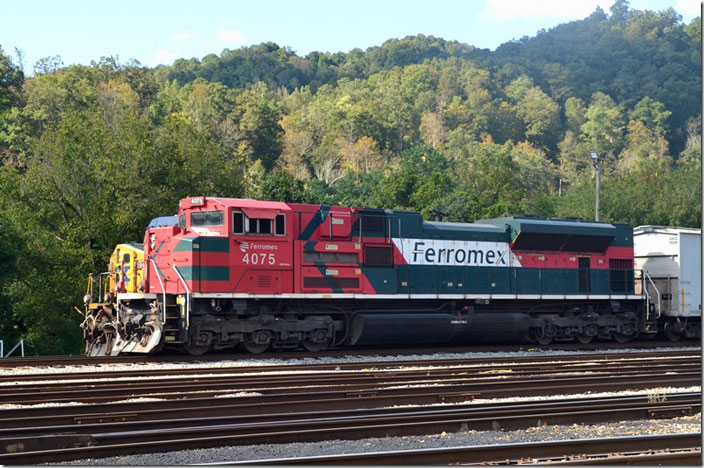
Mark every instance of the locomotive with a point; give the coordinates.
(260, 275)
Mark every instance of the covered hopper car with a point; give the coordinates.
(227, 273)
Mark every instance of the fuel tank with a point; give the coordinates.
(437, 328)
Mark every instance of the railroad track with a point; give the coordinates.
(35, 361)
(508, 378)
(206, 407)
(76, 441)
(668, 449)
(224, 367)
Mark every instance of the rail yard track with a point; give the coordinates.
(341, 352)
(676, 449)
(109, 412)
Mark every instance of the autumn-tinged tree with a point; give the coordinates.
(297, 149)
(432, 128)
(361, 157)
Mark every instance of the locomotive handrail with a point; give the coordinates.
(163, 292)
(188, 298)
(101, 280)
(647, 276)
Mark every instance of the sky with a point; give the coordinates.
(160, 31)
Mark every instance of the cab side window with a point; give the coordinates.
(258, 226)
(238, 222)
(281, 224)
(241, 224)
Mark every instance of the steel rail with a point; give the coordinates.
(41, 361)
(141, 441)
(491, 385)
(576, 358)
(676, 404)
(504, 453)
(677, 457)
(395, 375)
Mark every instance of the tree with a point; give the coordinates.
(361, 157)
(541, 115)
(297, 149)
(433, 129)
(282, 186)
(603, 128)
(643, 144)
(652, 114)
(258, 115)
(11, 78)
(575, 114)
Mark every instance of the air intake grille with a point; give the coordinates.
(264, 281)
(378, 257)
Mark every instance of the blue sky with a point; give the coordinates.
(159, 31)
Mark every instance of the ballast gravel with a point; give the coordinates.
(242, 365)
(469, 438)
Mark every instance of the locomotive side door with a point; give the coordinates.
(378, 259)
(584, 274)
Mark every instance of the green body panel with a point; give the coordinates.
(528, 280)
(429, 279)
(204, 273)
(384, 280)
(203, 244)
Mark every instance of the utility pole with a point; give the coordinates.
(596, 161)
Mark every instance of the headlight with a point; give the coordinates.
(86, 299)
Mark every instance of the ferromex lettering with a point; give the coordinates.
(456, 253)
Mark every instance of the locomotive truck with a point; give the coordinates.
(260, 275)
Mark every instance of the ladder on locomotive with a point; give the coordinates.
(651, 316)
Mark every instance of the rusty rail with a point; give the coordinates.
(100, 442)
(685, 448)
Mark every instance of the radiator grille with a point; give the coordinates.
(378, 256)
(264, 281)
(330, 257)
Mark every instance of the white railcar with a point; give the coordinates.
(671, 262)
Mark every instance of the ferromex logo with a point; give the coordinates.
(456, 253)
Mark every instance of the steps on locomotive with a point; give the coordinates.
(174, 328)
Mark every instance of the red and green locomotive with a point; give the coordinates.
(256, 274)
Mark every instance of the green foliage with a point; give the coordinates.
(91, 153)
(11, 78)
(282, 186)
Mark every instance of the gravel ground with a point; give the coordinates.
(469, 438)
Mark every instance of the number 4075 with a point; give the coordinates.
(259, 259)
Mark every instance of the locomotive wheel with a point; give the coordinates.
(197, 350)
(671, 331)
(585, 339)
(255, 348)
(621, 338)
(313, 346)
(544, 340)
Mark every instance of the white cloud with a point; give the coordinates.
(688, 8)
(507, 10)
(229, 36)
(183, 36)
(164, 57)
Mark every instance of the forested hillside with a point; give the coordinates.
(91, 153)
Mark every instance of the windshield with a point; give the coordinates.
(207, 218)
